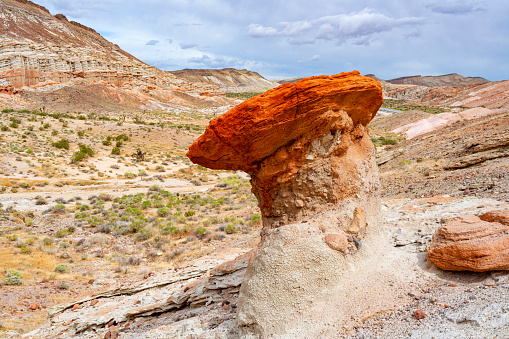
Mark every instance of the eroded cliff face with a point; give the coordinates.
(38, 50)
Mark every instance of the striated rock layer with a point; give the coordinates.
(313, 171)
(471, 243)
(41, 52)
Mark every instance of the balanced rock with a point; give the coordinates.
(313, 171)
(471, 243)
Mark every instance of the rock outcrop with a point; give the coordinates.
(39, 51)
(228, 79)
(313, 171)
(471, 243)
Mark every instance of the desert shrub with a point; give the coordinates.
(231, 228)
(12, 237)
(47, 241)
(13, 278)
(64, 244)
(122, 137)
(84, 152)
(201, 232)
(162, 212)
(130, 175)
(115, 151)
(105, 197)
(61, 233)
(106, 142)
(61, 268)
(189, 213)
(59, 208)
(142, 234)
(154, 188)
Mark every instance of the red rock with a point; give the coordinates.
(91, 281)
(258, 127)
(94, 302)
(470, 243)
(75, 307)
(500, 216)
(452, 285)
(419, 314)
(107, 335)
(337, 241)
(127, 324)
(274, 135)
(34, 306)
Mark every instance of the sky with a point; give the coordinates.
(282, 39)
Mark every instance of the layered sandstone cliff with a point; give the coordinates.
(40, 50)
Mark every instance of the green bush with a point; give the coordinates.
(61, 268)
(162, 212)
(231, 228)
(13, 278)
(115, 150)
(84, 152)
(201, 232)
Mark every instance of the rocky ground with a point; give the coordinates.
(144, 248)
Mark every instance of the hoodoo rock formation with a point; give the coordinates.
(471, 243)
(294, 141)
(313, 171)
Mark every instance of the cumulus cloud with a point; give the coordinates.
(152, 42)
(213, 61)
(356, 26)
(454, 7)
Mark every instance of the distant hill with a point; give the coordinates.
(453, 79)
(42, 52)
(228, 79)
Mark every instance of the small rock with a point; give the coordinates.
(34, 306)
(94, 302)
(114, 334)
(419, 314)
(452, 285)
(91, 281)
(107, 335)
(336, 241)
(76, 307)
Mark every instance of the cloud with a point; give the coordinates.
(188, 45)
(454, 7)
(314, 58)
(221, 62)
(357, 26)
(152, 42)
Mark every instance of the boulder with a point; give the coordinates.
(471, 243)
(313, 170)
